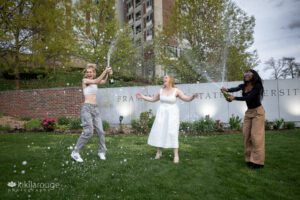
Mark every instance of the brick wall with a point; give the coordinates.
(167, 6)
(41, 103)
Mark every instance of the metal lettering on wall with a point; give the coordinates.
(281, 100)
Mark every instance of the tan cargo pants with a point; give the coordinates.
(254, 135)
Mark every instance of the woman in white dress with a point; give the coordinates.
(165, 129)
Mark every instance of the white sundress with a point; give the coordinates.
(164, 132)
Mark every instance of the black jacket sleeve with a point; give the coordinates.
(251, 95)
(235, 89)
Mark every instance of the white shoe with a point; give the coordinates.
(158, 155)
(102, 156)
(76, 157)
(176, 160)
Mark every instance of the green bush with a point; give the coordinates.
(75, 123)
(279, 124)
(269, 125)
(135, 125)
(1, 114)
(25, 118)
(186, 127)
(25, 73)
(235, 122)
(105, 125)
(5, 127)
(290, 125)
(63, 121)
(204, 125)
(33, 125)
(61, 128)
(219, 126)
(144, 123)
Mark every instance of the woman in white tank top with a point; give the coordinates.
(90, 113)
(165, 129)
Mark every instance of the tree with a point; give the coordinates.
(32, 32)
(292, 68)
(283, 68)
(16, 31)
(213, 37)
(276, 67)
(96, 30)
(125, 57)
(54, 43)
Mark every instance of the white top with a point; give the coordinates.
(90, 89)
(168, 99)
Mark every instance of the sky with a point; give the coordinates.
(277, 29)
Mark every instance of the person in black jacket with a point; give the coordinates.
(254, 120)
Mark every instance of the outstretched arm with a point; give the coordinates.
(234, 89)
(147, 98)
(184, 97)
(251, 95)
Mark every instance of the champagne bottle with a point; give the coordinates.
(226, 95)
(111, 72)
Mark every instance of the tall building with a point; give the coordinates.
(145, 17)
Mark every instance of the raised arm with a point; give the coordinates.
(99, 79)
(184, 97)
(147, 98)
(103, 81)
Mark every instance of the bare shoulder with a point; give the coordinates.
(160, 90)
(178, 91)
(84, 82)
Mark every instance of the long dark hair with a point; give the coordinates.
(256, 81)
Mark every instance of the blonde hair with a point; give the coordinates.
(90, 66)
(172, 80)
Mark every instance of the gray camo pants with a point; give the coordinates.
(90, 119)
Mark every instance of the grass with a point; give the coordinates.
(211, 167)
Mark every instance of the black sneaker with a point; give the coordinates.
(254, 165)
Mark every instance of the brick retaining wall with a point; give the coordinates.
(39, 103)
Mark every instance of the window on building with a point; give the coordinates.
(138, 15)
(138, 29)
(137, 3)
(149, 18)
(173, 51)
(139, 42)
(149, 3)
(149, 32)
(129, 5)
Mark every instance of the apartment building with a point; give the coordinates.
(145, 17)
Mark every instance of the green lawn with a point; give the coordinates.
(211, 167)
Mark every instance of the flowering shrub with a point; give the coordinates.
(144, 123)
(48, 124)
